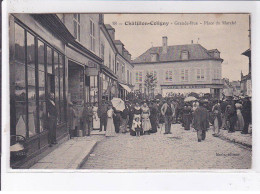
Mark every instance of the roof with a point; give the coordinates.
(118, 42)
(247, 52)
(196, 52)
(109, 27)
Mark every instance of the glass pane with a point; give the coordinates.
(49, 60)
(20, 108)
(20, 92)
(40, 56)
(41, 71)
(75, 29)
(56, 71)
(42, 115)
(61, 88)
(32, 118)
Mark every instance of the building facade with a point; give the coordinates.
(180, 69)
(124, 70)
(37, 67)
(246, 81)
(73, 56)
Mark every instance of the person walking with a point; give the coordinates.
(117, 119)
(96, 120)
(167, 114)
(187, 116)
(103, 115)
(216, 111)
(124, 119)
(145, 119)
(153, 117)
(88, 118)
(110, 132)
(201, 121)
(232, 116)
(240, 119)
(52, 119)
(247, 114)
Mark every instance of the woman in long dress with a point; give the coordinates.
(110, 132)
(96, 119)
(217, 122)
(146, 124)
(240, 118)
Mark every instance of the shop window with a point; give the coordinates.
(57, 84)
(76, 23)
(62, 101)
(41, 80)
(20, 81)
(30, 65)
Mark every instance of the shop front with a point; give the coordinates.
(37, 69)
(109, 84)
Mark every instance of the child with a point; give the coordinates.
(137, 126)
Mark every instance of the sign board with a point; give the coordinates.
(92, 72)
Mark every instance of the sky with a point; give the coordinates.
(231, 39)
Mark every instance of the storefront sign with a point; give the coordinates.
(184, 87)
(91, 72)
(92, 64)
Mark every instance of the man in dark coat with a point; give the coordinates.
(201, 121)
(52, 118)
(232, 116)
(102, 113)
(153, 117)
(87, 117)
(166, 111)
(247, 114)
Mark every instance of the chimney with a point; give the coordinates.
(164, 44)
(191, 41)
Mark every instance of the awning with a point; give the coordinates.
(126, 87)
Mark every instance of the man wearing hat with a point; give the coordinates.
(52, 118)
(201, 121)
(102, 113)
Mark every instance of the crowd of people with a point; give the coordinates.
(146, 117)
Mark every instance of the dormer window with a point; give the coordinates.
(155, 57)
(184, 55)
(216, 54)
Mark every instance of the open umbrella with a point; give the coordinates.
(118, 104)
(190, 98)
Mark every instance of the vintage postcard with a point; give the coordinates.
(135, 91)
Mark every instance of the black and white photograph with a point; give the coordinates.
(130, 91)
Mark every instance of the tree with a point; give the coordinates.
(150, 83)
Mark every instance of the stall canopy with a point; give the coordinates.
(125, 87)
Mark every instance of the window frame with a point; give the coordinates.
(168, 77)
(184, 75)
(199, 75)
(92, 36)
(77, 21)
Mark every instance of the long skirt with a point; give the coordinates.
(216, 129)
(146, 124)
(96, 122)
(110, 132)
(186, 121)
(240, 122)
(123, 127)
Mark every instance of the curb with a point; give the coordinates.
(235, 141)
(80, 164)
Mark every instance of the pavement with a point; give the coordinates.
(237, 137)
(179, 150)
(72, 154)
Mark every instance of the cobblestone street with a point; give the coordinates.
(180, 150)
